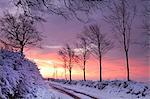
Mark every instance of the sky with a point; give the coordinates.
(57, 31)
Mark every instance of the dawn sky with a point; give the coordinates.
(57, 31)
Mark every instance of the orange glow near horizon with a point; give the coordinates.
(51, 67)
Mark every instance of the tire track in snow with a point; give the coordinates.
(64, 89)
(81, 93)
(65, 92)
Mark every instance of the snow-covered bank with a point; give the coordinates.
(20, 78)
(109, 89)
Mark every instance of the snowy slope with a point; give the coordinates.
(108, 89)
(20, 78)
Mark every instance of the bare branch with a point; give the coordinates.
(65, 8)
(122, 15)
(69, 58)
(19, 31)
(98, 42)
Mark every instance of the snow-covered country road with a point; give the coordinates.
(63, 91)
(99, 90)
(71, 92)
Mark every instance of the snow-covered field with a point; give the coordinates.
(106, 90)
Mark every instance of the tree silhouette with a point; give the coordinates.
(19, 31)
(146, 21)
(84, 53)
(71, 58)
(122, 14)
(63, 55)
(99, 43)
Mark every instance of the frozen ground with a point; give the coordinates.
(104, 90)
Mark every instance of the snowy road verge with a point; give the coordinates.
(107, 89)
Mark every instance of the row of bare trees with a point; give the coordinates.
(91, 40)
(121, 18)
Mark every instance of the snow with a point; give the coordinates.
(59, 95)
(20, 78)
(109, 89)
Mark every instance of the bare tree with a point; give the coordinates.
(146, 21)
(63, 55)
(99, 44)
(19, 31)
(84, 53)
(122, 14)
(71, 58)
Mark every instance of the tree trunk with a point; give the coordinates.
(84, 74)
(65, 74)
(70, 74)
(84, 71)
(100, 64)
(21, 50)
(127, 63)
